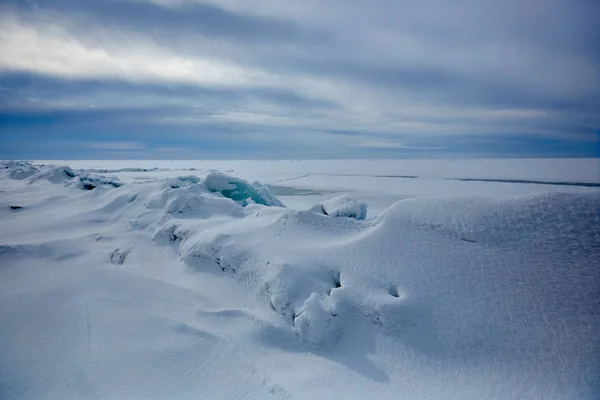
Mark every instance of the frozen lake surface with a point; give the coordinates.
(416, 279)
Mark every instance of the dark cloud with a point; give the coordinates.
(21, 89)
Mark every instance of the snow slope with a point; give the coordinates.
(166, 288)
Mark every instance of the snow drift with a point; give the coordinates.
(433, 298)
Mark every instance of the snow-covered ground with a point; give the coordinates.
(465, 279)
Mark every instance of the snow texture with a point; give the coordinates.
(183, 287)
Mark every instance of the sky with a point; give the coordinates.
(247, 79)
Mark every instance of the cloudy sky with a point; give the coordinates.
(299, 79)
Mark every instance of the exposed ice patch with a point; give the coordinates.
(240, 191)
(184, 198)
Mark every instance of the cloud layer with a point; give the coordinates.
(258, 78)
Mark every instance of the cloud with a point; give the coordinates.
(48, 48)
(379, 144)
(393, 76)
(117, 145)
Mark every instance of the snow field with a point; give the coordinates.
(218, 291)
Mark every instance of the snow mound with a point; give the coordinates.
(316, 322)
(89, 181)
(54, 174)
(552, 218)
(394, 276)
(342, 206)
(18, 170)
(185, 198)
(240, 191)
(180, 181)
(58, 174)
(289, 286)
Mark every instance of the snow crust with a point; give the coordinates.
(206, 287)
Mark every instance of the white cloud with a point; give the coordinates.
(47, 47)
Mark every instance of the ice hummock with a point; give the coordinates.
(240, 191)
(83, 179)
(18, 170)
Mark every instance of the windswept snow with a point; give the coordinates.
(206, 287)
